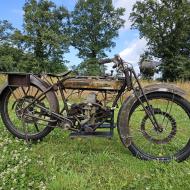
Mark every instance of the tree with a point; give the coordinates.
(6, 30)
(165, 25)
(89, 67)
(94, 25)
(6, 56)
(45, 34)
(42, 44)
(14, 59)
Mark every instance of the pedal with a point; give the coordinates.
(91, 134)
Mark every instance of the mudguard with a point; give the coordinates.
(164, 87)
(2, 88)
(54, 104)
(128, 103)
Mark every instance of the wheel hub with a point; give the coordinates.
(22, 113)
(160, 138)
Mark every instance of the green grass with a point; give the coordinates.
(61, 163)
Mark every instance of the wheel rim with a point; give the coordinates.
(168, 144)
(33, 121)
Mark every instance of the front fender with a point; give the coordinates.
(164, 87)
(153, 88)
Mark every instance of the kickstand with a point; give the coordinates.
(25, 133)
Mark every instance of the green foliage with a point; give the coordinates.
(46, 36)
(90, 67)
(7, 54)
(5, 30)
(42, 45)
(165, 25)
(14, 59)
(48, 32)
(12, 56)
(94, 25)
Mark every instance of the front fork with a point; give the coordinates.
(148, 109)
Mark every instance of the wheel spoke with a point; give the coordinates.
(36, 126)
(36, 93)
(25, 93)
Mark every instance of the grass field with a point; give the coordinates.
(59, 163)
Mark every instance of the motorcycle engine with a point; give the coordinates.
(90, 113)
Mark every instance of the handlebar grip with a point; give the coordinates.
(104, 61)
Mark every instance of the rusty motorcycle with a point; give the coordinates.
(152, 122)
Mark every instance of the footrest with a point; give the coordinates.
(106, 126)
(93, 134)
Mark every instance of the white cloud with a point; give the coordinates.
(128, 5)
(137, 46)
(134, 49)
(132, 53)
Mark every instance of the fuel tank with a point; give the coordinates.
(93, 83)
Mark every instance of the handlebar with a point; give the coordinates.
(104, 61)
(116, 60)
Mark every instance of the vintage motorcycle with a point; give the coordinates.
(153, 122)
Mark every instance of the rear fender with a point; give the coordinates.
(3, 88)
(43, 86)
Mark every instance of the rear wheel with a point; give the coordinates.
(171, 140)
(32, 123)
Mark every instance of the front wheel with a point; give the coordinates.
(171, 141)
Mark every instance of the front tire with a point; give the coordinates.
(138, 134)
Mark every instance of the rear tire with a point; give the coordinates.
(30, 128)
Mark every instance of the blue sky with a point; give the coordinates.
(128, 44)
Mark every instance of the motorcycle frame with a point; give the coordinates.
(128, 85)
